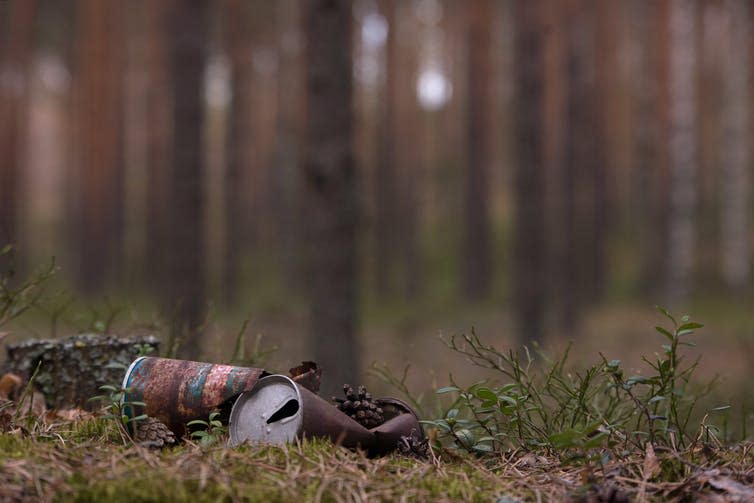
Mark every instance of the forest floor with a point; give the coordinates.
(85, 460)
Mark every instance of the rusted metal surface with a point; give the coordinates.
(278, 410)
(178, 391)
(387, 435)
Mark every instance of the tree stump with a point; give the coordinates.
(73, 369)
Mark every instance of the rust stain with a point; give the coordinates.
(178, 391)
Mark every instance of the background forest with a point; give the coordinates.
(354, 182)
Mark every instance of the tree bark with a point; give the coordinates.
(477, 262)
(386, 211)
(529, 235)
(682, 148)
(159, 146)
(186, 209)
(239, 47)
(15, 50)
(330, 185)
(98, 108)
(649, 138)
(736, 160)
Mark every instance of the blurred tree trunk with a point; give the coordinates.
(649, 138)
(476, 242)
(289, 128)
(603, 55)
(529, 287)
(682, 148)
(159, 155)
(98, 114)
(16, 44)
(186, 208)
(736, 160)
(387, 218)
(241, 130)
(413, 133)
(330, 186)
(582, 180)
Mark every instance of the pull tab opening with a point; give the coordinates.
(288, 410)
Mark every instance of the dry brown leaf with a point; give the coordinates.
(10, 384)
(69, 414)
(308, 375)
(651, 467)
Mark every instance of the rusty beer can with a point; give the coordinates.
(179, 391)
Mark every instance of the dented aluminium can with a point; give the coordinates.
(278, 411)
(179, 391)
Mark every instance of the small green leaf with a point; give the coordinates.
(483, 448)
(486, 395)
(447, 389)
(465, 436)
(664, 332)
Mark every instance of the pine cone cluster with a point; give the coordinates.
(152, 433)
(360, 406)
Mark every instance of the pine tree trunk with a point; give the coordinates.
(736, 160)
(240, 132)
(289, 136)
(16, 42)
(187, 281)
(98, 106)
(330, 185)
(387, 219)
(477, 261)
(682, 148)
(529, 238)
(159, 146)
(649, 135)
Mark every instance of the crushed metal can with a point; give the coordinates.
(277, 411)
(179, 391)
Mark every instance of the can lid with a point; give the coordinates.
(129, 371)
(270, 412)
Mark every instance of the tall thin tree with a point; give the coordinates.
(330, 187)
(98, 110)
(186, 269)
(159, 147)
(477, 263)
(386, 208)
(529, 235)
(16, 42)
(239, 47)
(736, 161)
(682, 148)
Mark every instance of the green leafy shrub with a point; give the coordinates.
(547, 405)
(209, 432)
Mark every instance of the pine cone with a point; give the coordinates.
(414, 446)
(360, 407)
(152, 433)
